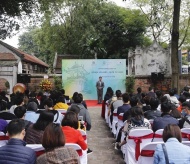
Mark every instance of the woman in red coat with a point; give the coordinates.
(69, 128)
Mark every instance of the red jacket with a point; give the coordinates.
(74, 136)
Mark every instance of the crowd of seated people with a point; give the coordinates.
(39, 115)
(162, 110)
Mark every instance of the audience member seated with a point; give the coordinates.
(181, 99)
(69, 127)
(159, 95)
(139, 91)
(147, 106)
(48, 105)
(3, 125)
(7, 116)
(55, 150)
(133, 103)
(61, 104)
(18, 101)
(65, 96)
(3, 104)
(42, 99)
(174, 112)
(4, 97)
(126, 106)
(83, 111)
(32, 98)
(175, 93)
(76, 110)
(185, 121)
(31, 114)
(109, 94)
(35, 131)
(16, 151)
(173, 98)
(116, 104)
(175, 150)
(20, 112)
(151, 93)
(137, 121)
(153, 112)
(165, 119)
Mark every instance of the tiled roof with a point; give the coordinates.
(7, 56)
(60, 57)
(24, 56)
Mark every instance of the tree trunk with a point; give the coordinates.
(174, 45)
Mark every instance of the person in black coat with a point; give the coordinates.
(16, 151)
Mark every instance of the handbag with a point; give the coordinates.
(165, 153)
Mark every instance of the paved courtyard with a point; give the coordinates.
(100, 140)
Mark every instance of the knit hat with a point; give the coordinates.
(32, 106)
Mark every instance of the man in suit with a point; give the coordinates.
(100, 86)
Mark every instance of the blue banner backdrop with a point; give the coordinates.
(81, 75)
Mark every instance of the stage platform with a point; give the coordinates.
(92, 103)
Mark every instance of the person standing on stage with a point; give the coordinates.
(100, 86)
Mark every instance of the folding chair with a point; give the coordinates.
(185, 133)
(3, 139)
(82, 154)
(147, 153)
(186, 143)
(114, 122)
(38, 148)
(136, 140)
(84, 135)
(120, 123)
(62, 111)
(106, 112)
(158, 136)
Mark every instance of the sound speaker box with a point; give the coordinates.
(160, 76)
(154, 76)
(23, 78)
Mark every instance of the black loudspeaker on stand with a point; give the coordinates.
(157, 76)
(23, 78)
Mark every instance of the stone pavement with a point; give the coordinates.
(100, 140)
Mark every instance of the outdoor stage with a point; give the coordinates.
(92, 103)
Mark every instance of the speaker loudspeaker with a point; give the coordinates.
(154, 76)
(23, 78)
(160, 76)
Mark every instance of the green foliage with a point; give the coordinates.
(88, 28)
(130, 83)
(184, 60)
(10, 14)
(58, 83)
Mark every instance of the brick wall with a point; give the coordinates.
(145, 82)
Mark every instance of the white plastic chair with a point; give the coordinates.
(185, 133)
(120, 123)
(38, 148)
(142, 137)
(114, 122)
(106, 112)
(147, 153)
(158, 135)
(84, 135)
(62, 111)
(82, 153)
(3, 139)
(187, 143)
